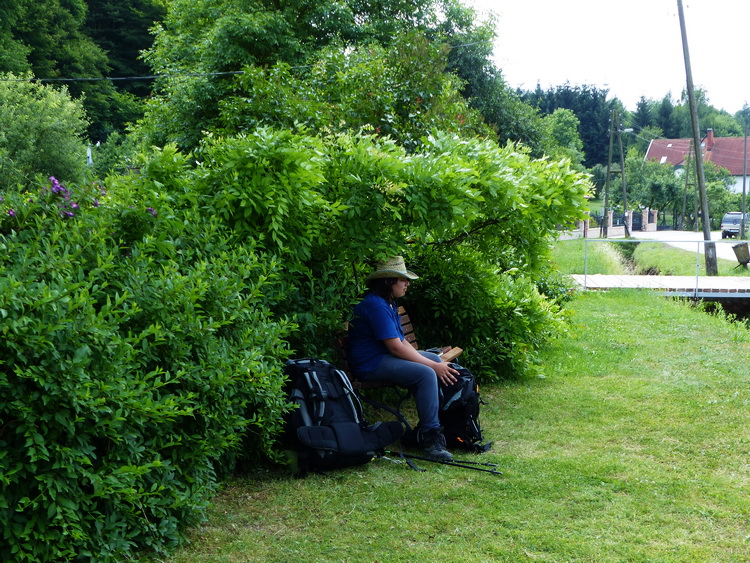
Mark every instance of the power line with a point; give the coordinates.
(108, 78)
(173, 75)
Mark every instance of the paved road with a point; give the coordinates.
(692, 241)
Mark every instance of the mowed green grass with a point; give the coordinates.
(578, 256)
(605, 257)
(633, 446)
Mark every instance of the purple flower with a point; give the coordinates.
(74, 205)
(11, 213)
(96, 203)
(151, 210)
(58, 188)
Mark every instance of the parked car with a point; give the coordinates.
(730, 224)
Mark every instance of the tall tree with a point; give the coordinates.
(562, 126)
(642, 117)
(590, 106)
(13, 52)
(676, 122)
(665, 119)
(203, 39)
(400, 91)
(470, 58)
(50, 35)
(121, 28)
(209, 39)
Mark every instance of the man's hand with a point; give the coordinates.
(445, 373)
(402, 349)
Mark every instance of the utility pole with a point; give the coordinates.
(710, 247)
(605, 218)
(744, 173)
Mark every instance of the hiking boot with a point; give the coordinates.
(433, 445)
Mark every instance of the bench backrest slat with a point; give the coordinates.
(408, 328)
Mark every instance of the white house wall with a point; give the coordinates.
(737, 186)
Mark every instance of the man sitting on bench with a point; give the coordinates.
(378, 351)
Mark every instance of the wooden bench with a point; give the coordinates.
(447, 353)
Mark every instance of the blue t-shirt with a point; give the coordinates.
(374, 320)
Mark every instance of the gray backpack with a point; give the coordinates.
(328, 430)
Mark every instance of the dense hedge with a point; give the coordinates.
(460, 209)
(136, 352)
(143, 332)
(500, 318)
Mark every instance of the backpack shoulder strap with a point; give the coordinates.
(298, 398)
(318, 395)
(351, 396)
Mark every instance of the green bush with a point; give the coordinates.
(42, 133)
(401, 92)
(499, 318)
(324, 203)
(136, 357)
(144, 331)
(556, 286)
(114, 156)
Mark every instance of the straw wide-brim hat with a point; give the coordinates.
(392, 268)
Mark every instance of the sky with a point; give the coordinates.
(633, 48)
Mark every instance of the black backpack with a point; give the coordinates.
(328, 430)
(459, 413)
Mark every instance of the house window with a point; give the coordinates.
(663, 160)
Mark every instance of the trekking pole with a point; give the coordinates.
(466, 461)
(409, 462)
(466, 464)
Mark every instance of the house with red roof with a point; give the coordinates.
(727, 152)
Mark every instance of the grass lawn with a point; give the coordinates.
(605, 257)
(634, 446)
(672, 261)
(572, 256)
